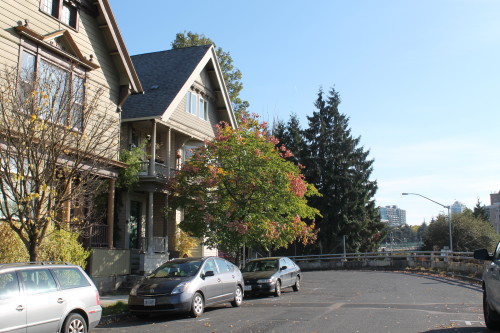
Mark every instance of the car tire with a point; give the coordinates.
(197, 305)
(238, 297)
(74, 323)
(491, 317)
(277, 289)
(296, 286)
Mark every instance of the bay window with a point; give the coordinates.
(62, 83)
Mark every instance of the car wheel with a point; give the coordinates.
(238, 297)
(491, 317)
(296, 286)
(277, 289)
(74, 323)
(197, 305)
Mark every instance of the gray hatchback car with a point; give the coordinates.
(47, 297)
(187, 285)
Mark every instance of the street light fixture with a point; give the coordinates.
(449, 216)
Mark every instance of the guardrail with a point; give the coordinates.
(443, 261)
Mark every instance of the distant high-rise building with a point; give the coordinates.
(457, 208)
(393, 215)
(493, 210)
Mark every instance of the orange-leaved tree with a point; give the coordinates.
(239, 189)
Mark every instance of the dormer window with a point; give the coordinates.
(63, 10)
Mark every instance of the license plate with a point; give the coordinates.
(150, 302)
(247, 288)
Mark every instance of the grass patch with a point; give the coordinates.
(117, 308)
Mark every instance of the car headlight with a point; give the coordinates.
(180, 288)
(265, 281)
(133, 291)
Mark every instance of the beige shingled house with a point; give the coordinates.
(185, 97)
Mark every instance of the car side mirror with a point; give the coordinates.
(208, 273)
(283, 268)
(482, 254)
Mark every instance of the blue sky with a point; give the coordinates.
(419, 79)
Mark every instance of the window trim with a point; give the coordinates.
(57, 13)
(42, 55)
(200, 106)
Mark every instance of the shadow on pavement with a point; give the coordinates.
(447, 280)
(460, 330)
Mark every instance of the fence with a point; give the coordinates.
(456, 262)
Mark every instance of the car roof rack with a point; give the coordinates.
(14, 264)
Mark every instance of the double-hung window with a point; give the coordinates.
(61, 82)
(197, 106)
(65, 11)
(203, 112)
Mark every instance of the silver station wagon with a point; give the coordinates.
(47, 297)
(187, 285)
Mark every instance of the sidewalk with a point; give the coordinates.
(112, 299)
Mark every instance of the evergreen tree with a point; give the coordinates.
(480, 211)
(340, 169)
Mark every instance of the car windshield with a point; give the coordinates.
(261, 265)
(177, 269)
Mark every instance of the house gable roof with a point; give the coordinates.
(167, 76)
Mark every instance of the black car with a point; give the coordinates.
(491, 287)
(270, 275)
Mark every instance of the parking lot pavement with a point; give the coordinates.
(334, 301)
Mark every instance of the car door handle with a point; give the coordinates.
(20, 308)
(60, 300)
(218, 280)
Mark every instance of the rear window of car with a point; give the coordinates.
(70, 278)
(9, 287)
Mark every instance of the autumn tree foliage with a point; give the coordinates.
(239, 189)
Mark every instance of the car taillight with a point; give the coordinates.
(98, 301)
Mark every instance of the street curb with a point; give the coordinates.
(106, 320)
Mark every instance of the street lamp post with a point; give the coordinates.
(449, 216)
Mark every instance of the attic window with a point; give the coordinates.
(63, 10)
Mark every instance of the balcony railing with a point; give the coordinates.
(160, 244)
(99, 236)
(161, 170)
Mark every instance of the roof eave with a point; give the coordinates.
(135, 84)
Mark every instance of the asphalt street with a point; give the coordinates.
(339, 301)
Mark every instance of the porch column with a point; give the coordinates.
(149, 223)
(111, 211)
(169, 149)
(153, 150)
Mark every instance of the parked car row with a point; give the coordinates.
(191, 284)
(58, 297)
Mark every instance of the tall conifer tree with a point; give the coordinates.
(340, 169)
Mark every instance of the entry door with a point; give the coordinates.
(12, 305)
(134, 225)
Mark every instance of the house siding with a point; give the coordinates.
(88, 38)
